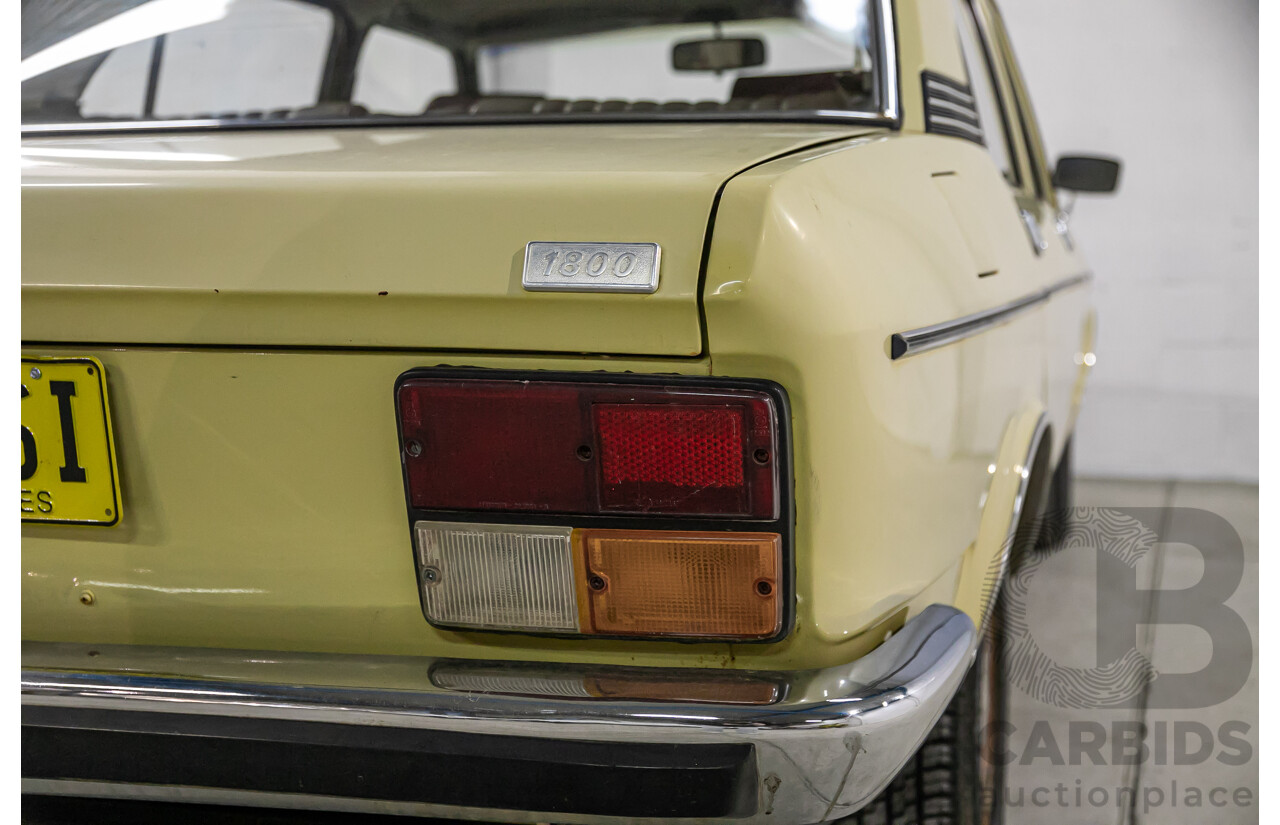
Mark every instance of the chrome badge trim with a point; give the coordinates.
(551, 266)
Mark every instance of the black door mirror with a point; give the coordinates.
(1086, 173)
(717, 54)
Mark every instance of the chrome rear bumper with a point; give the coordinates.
(488, 741)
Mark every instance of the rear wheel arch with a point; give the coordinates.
(1015, 497)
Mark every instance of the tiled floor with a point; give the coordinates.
(1200, 763)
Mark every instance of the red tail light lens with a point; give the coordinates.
(588, 448)
(492, 445)
(682, 446)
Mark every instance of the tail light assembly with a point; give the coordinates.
(599, 504)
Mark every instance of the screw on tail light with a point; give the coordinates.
(605, 505)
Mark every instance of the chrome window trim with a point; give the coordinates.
(923, 339)
(890, 95)
(823, 116)
(889, 114)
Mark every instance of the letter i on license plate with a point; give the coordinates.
(69, 471)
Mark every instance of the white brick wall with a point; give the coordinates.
(1170, 86)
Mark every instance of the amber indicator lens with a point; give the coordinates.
(586, 448)
(670, 583)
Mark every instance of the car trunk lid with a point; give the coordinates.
(373, 238)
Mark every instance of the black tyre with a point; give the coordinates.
(1057, 511)
(956, 777)
(1060, 486)
(947, 781)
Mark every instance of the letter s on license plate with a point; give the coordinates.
(68, 459)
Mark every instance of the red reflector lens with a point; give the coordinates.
(684, 446)
(569, 447)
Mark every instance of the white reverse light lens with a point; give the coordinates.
(497, 576)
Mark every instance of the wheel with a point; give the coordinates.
(951, 779)
(957, 775)
(1060, 486)
(1057, 511)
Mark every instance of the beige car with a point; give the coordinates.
(535, 411)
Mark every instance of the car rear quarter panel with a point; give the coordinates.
(816, 260)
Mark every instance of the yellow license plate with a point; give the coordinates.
(68, 459)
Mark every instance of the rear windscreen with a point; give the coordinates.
(242, 61)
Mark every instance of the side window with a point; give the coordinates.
(260, 56)
(118, 89)
(253, 55)
(399, 74)
(982, 81)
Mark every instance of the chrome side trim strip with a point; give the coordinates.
(1068, 283)
(923, 339)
